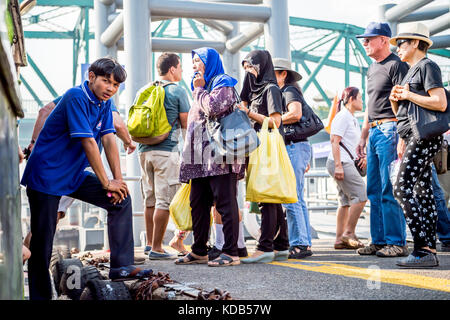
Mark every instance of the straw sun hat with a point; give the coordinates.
(280, 64)
(413, 30)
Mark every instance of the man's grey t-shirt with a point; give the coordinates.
(175, 102)
(381, 77)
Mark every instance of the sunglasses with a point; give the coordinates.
(367, 40)
(401, 41)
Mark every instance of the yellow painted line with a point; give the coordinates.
(372, 274)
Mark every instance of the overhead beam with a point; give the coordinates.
(405, 8)
(440, 42)
(319, 24)
(440, 24)
(66, 3)
(245, 37)
(426, 13)
(179, 45)
(113, 32)
(223, 26)
(211, 10)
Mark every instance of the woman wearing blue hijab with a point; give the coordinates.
(211, 182)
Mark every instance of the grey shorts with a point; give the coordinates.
(352, 189)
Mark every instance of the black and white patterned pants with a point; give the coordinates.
(414, 192)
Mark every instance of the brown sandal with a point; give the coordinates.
(190, 259)
(352, 243)
(223, 260)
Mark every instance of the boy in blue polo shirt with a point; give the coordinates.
(67, 144)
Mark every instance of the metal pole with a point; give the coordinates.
(276, 29)
(440, 24)
(138, 64)
(231, 61)
(440, 42)
(113, 32)
(426, 14)
(403, 9)
(101, 12)
(179, 45)
(236, 43)
(210, 10)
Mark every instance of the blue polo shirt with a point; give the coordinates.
(113, 105)
(56, 165)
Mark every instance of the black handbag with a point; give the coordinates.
(425, 123)
(308, 125)
(362, 172)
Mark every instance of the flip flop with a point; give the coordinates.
(190, 260)
(223, 261)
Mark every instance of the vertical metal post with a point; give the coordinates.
(101, 13)
(231, 61)
(347, 60)
(138, 64)
(276, 29)
(86, 33)
(382, 16)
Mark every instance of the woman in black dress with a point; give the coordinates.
(262, 98)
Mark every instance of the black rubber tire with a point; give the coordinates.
(60, 270)
(56, 257)
(105, 290)
(87, 273)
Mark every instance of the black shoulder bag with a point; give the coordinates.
(426, 123)
(308, 125)
(361, 171)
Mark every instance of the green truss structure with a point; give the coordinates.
(314, 43)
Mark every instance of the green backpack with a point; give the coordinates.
(147, 116)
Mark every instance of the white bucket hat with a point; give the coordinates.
(413, 30)
(280, 64)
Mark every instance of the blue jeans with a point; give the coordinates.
(443, 218)
(387, 222)
(299, 228)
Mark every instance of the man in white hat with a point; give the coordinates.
(387, 223)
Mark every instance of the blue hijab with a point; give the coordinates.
(213, 68)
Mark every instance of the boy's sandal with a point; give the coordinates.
(136, 273)
(223, 260)
(190, 259)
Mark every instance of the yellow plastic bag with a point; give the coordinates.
(180, 208)
(270, 176)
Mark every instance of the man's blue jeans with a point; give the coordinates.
(387, 221)
(299, 228)
(443, 218)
